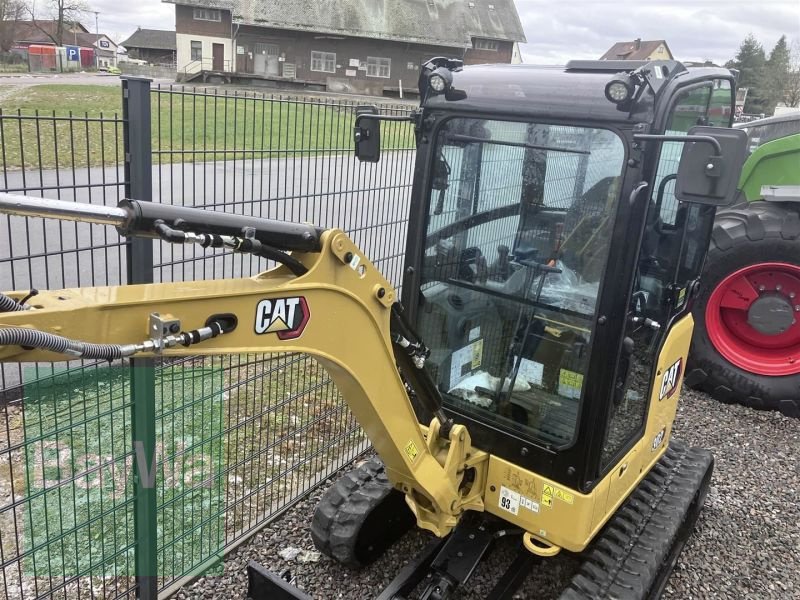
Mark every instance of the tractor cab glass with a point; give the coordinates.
(517, 239)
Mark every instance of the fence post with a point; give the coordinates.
(139, 185)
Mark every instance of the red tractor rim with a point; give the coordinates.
(735, 307)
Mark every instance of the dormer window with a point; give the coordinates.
(482, 44)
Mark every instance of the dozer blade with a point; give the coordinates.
(636, 551)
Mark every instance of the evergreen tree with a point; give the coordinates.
(777, 73)
(751, 62)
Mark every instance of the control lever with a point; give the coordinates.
(654, 325)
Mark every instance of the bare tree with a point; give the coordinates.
(792, 89)
(10, 12)
(62, 12)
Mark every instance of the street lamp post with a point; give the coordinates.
(96, 42)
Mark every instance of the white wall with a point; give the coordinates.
(184, 55)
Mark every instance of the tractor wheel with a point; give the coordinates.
(746, 344)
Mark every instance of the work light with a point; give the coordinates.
(619, 89)
(438, 84)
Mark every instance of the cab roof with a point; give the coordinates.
(574, 91)
(528, 89)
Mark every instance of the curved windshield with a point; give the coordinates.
(518, 234)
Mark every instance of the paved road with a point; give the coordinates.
(369, 201)
(26, 79)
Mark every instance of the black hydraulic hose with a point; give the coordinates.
(419, 378)
(30, 338)
(10, 305)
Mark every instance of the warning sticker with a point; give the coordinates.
(531, 371)
(550, 491)
(565, 496)
(411, 451)
(511, 501)
(465, 360)
(570, 383)
(547, 495)
(477, 354)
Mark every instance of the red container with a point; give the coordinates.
(87, 57)
(42, 58)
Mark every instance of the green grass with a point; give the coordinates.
(78, 518)
(21, 68)
(235, 436)
(185, 127)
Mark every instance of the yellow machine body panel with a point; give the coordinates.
(563, 517)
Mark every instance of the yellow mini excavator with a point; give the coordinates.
(527, 381)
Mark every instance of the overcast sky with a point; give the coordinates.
(558, 30)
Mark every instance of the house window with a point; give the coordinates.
(378, 67)
(324, 62)
(481, 44)
(207, 14)
(197, 50)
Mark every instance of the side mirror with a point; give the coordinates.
(711, 163)
(367, 134)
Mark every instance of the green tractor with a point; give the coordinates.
(746, 344)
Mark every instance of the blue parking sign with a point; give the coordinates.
(73, 52)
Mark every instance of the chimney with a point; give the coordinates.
(637, 43)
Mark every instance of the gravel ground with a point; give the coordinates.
(746, 545)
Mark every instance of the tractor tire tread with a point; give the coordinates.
(743, 235)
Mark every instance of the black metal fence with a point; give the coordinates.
(236, 439)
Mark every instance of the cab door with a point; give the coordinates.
(670, 261)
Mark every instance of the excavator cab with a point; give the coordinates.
(551, 264)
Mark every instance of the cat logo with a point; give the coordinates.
(669, 383)
(658, 439)
(286, 317)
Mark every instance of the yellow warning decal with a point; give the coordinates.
(550, 491)
(547, 495)
(477, 354)
(411, 451)
(570, 383)
(565, 496)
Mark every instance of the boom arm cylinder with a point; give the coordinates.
(135, 218)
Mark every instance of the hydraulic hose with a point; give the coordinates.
(10, 305)
(30, 338)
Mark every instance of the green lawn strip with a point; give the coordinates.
(78, 519)
(186, 127)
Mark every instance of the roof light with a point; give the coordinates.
(620, 89)
(438, 84)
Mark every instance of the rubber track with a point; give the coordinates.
(627, 558)
(345, 507)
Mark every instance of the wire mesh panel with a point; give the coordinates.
(284, 427)
(66, 526)
(238, 438)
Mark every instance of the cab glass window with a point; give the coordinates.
(670, 260)
(517, 240)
